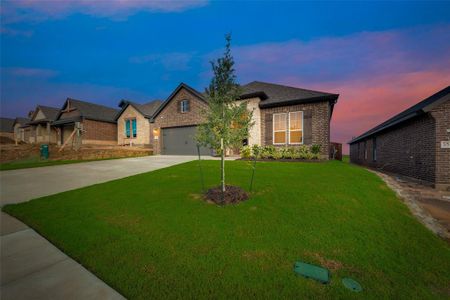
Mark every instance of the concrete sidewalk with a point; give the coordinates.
(26, 184)
(32, 268)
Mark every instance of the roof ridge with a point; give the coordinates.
(289, 86)
(92, 103)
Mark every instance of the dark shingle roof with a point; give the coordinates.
(146, 109)
(93, 111)
(6, 125)
(21, 120)
(50, 112)
(407, 114)
(273, 95)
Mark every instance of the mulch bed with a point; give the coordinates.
(284, 160)
(233, 195)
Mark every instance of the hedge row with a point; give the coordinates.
(271, 152)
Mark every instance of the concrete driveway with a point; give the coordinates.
(26, 184)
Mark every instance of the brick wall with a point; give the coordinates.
(441, 114)
(142, 128)
(408, 149)
(96, 131)
(316, 124)
(171, 116)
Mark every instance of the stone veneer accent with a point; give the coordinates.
(142, 128)
(255, 132)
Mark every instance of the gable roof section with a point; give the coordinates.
(91, 111)
(179, 87)
(6, 125)
(146, 109)
(50, 114)
(273, 95)
(20, 120)
(415, 110)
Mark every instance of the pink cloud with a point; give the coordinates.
(39, 10)
(377, 74)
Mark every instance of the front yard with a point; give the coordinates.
(152, 236)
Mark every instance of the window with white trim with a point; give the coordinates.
(279, 128)
(184, 106)
(296, 127)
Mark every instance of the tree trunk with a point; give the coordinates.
(222, 157)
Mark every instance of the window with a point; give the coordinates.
(296, 127)
(130, 128)
(359, 150)
(184, 106)
(279, 129)
(374, 149)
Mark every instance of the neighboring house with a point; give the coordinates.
(133, 122)
(414, 143)
(41, 129)
(90, 123)
(7, 129)
(283, 116)
(20, 126)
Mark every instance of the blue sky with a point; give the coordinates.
(380, 56)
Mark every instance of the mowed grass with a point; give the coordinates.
(151, 236)
(36, 162)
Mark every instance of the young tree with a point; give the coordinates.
(227, 121)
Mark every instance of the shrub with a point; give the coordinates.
(246, 152)
(256, 151)
(266, 152)
(315, 149)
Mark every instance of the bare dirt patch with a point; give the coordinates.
(232, 195)
(330, 264)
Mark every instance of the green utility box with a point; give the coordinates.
(44, 151)
(311, 271)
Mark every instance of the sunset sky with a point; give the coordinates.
(380, 57)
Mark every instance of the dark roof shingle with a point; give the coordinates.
(50, 112)
(93, 111)
(146, 109)
(277, 95)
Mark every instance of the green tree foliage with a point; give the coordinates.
(227, 121)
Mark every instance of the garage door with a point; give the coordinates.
(180, 141)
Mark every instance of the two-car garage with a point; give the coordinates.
(181, 141)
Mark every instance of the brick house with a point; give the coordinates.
(415, 143)
(133, 122)
(40, 125)
(86, 123)
(283, 116)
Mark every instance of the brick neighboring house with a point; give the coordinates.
(41, 129)
(414, 143)
(133, 122)
(7, 128)
(20, 129)
(96, 122)
(283, 116)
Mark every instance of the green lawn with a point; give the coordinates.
(36, 162)
(151, 236)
